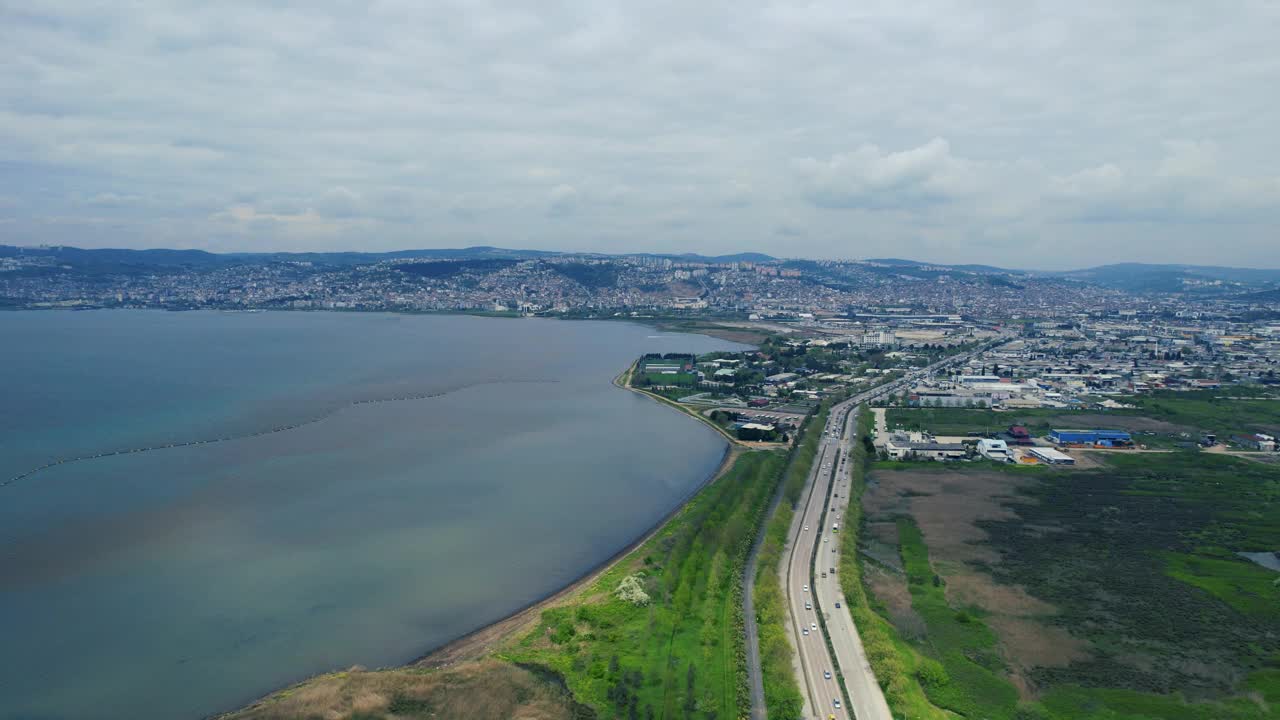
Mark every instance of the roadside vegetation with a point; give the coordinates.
(781, 691)
(660, 635)
(900, 669)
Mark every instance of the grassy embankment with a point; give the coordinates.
(682, 651)
(900, 669)
(782, 693)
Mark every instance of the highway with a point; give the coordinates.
(814, 549)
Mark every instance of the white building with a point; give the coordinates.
(994, 450)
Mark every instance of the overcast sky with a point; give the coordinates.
(1050, 135)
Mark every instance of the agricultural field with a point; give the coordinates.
(660, 635)
(1113, 593)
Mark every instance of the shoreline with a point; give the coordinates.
(472, 645)
(490, 636)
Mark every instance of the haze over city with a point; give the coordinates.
(1005, 133)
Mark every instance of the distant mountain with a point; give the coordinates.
(1133, 277)
(1140, 277)
(982, 269)
(201, 259)
(751, 257)
(122, 258)
(1262, 296)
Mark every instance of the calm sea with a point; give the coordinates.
(184, 581)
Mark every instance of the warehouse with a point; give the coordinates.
(1102, 438)
(1051, 456)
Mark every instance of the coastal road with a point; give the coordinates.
(818, 672)
(814, 549)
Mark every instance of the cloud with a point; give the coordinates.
(874, 179)
(562, 200)
(868, 128)
(1186, 185)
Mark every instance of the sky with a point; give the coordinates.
(1023, 134)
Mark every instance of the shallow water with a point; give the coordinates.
(179, 582)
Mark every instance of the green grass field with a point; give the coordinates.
(681, 653)
(1139, 559)
(644, 379)
(959, 421)
(1212, 411)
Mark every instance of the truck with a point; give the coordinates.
(835, 527)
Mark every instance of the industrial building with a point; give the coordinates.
(906, 446)
(1019, 435)
(994, 450)
(1099, 438)
(1050, 456)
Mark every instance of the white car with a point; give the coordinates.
(826, 674)
(813, 626)
(806, 528)
(804, 630)
(808, 606)
(805, 588)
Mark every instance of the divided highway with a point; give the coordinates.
(815, 552)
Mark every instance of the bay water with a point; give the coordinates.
(437, 473)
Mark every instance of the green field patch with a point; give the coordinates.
(958, 638)
(1079, 703)
(1241, 584)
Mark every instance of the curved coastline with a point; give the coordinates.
(260, 433)
(477, 641)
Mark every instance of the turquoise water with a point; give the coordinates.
(180, 582)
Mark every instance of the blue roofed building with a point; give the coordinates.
(1103, 438)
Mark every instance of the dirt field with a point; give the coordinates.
(483, 690)
(946, 505)
(891, 590)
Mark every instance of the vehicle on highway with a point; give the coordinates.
(813, 626)
(837, 702)
(805, 588)
(808, 606)
(806, 528)
(835, 527)
(826, 674)
(837, 604)
(804, 630)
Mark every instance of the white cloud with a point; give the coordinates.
(871, 178)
